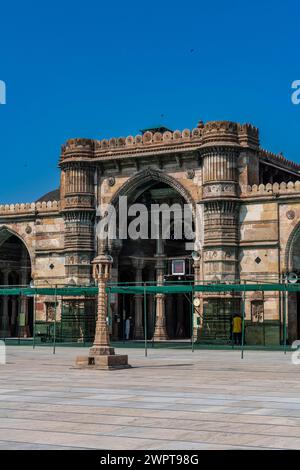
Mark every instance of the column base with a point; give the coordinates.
(5, 334)
(105, 362)
(160, 336)
(101, 351)
(139, 333)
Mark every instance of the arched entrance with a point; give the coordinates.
(149, 260)
(16, 313)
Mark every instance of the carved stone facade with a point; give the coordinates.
(248, 228)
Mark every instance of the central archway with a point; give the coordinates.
(149, 260)
(137, 184)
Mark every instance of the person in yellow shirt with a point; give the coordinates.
(237, 329)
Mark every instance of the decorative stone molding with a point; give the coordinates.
(77, 259)
(219, 190)
(219, 254)
(79, 201)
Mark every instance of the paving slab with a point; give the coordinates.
(173, 399)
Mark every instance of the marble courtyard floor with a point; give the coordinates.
(174, 399)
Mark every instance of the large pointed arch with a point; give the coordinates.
(145, 178)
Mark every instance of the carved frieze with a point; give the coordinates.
(82, 201)
(219, 190)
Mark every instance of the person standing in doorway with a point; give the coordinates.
(127, 328)
(237, 329)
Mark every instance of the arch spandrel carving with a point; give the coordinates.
(148, 175)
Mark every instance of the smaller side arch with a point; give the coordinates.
(6, 232)
(290, 246)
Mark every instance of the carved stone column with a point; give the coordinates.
(24, 305)
(170, 326)
(198, 310)
(160, 332)
(138, 300)
(78, 209)
(14, 315)
(180, 317)
(102, 355)
(115, 247)
(5, 318)
(101, 346)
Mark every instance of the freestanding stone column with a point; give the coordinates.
(102, 355)
(198, 310)
(160, 332)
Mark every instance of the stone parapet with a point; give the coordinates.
(275, 189)
(212, 133)
(29, 208)
(278, 159)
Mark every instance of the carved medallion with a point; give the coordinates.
(190, 174)
(111, 181)
(290, 215)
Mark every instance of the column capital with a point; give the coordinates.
(138, 263)
(102, 266)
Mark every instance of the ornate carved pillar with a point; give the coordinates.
(180, 317)
(14, 316)
(115, 247)
(170, 326)
(101, 354)
(102, 265)
(138, 300)
(5, 319)
(160, 332)
(24, 305)
(198, 310)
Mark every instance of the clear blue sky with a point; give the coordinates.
(102, 69)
